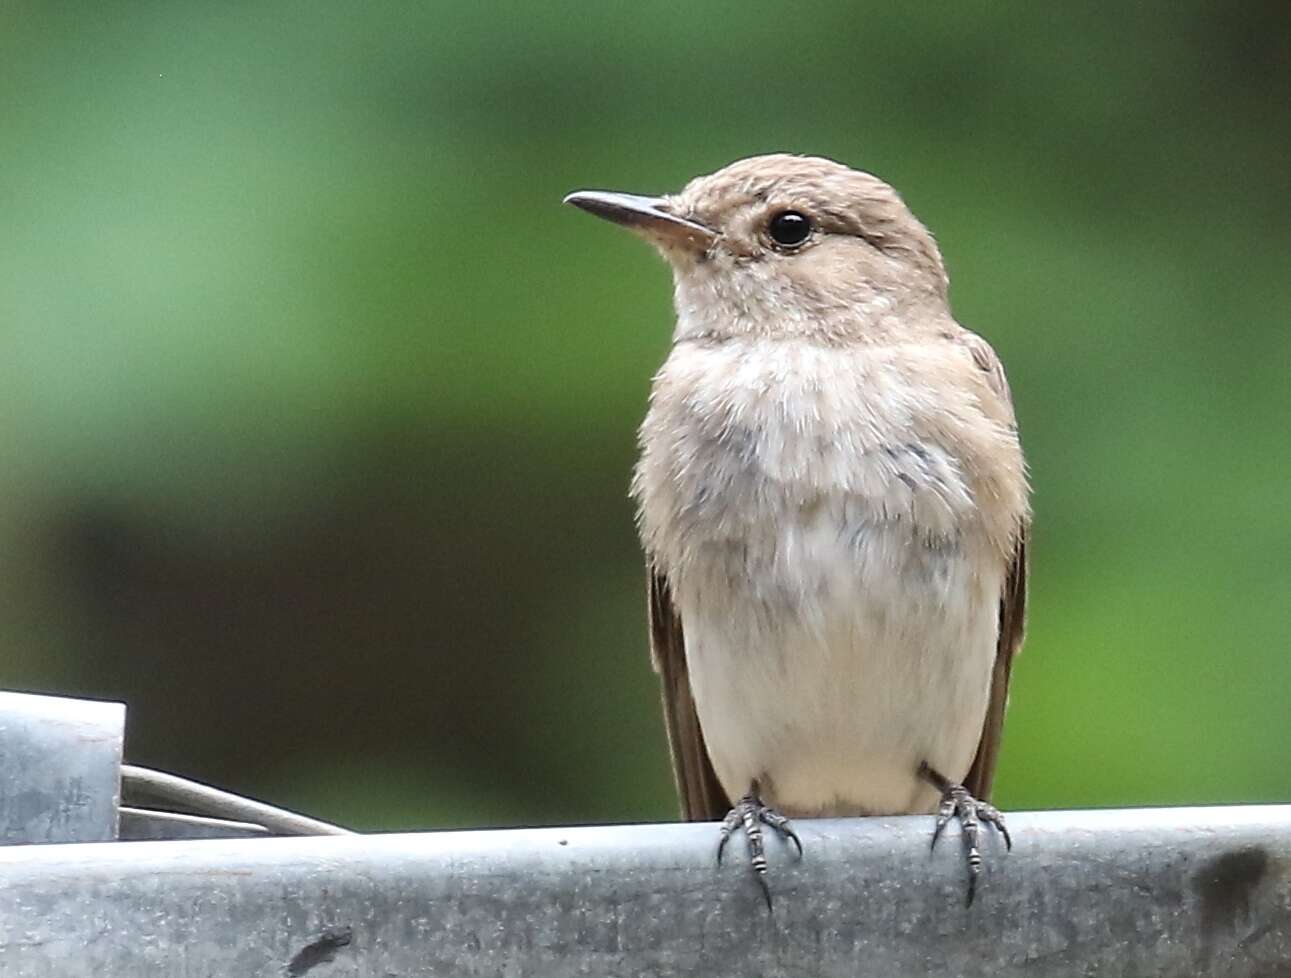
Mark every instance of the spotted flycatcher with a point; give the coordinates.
(833, 505)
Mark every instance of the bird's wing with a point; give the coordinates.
(1013, 602)
(1012, 625)
(702, 796)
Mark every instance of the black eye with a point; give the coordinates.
(789, 229)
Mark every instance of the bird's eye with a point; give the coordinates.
(789, 229)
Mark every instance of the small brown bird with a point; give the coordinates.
(833, 505)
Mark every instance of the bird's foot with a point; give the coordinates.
(971, 814)
(750, 812)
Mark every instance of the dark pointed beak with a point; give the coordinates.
(648, 216)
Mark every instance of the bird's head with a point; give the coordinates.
(787, 245)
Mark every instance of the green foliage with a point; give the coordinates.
(318, 409)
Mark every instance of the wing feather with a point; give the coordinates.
(1013, 601)
(1012, 628)
(702, 796)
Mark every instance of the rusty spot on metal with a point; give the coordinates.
(1225, 885)
(320, 950)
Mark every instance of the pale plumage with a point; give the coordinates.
(832, 501)
(838, 583)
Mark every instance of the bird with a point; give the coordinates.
(834, 509)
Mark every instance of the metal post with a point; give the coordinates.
(1147, 893)
(60, 764)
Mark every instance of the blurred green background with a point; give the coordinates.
(317, 410)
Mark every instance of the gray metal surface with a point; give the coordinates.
(1154, 892)
(60, 764)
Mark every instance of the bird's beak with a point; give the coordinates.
(648, 216)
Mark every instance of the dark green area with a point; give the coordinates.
(317, 409)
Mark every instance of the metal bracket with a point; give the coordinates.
(60, 768)
(62, 780)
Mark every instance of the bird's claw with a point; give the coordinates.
(958, 804)
(752, 814)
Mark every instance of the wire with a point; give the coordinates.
(200, 799)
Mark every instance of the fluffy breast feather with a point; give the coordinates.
(742, 433)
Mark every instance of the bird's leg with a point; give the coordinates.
(957, 803)
(750, 812)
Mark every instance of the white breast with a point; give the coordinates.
(838, 592)
(833, 684)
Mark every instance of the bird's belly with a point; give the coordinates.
(829, 660)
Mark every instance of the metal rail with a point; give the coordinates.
(1146, 893)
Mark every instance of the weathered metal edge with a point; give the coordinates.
(1148, 892)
